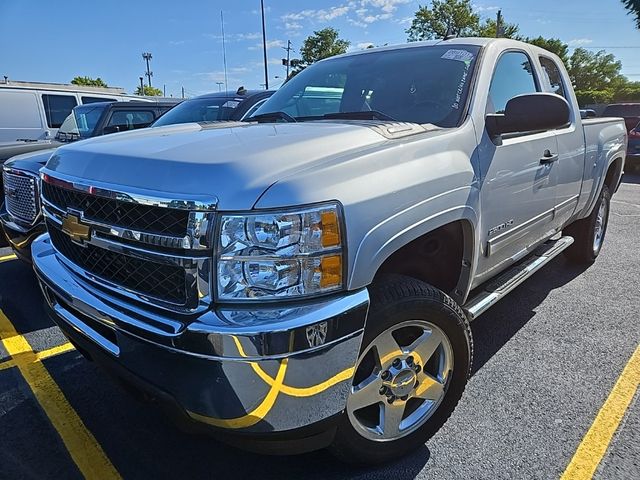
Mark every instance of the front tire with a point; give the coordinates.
(588, 234)
(414, 364)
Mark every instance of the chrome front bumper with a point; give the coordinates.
(259, 370)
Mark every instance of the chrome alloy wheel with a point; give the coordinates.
(601, 225)
(400, 380)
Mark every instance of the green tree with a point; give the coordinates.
(595, 71)
(149, 91)
(554, 45)
(488, 29)
(444, 16)
(89, 82)
(634, 9)
(322, 44)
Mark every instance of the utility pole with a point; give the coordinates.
(288, 49)
(141, 87)
(264, 48)
(147, 58)
(224, 53)
(499, 24)
(182, 92)
(164, 90)
(220, 86)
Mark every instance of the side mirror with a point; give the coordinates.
(530, 113)
(111, 129)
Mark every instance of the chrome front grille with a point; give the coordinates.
(21, 194)
(145, 248)
(121, 213)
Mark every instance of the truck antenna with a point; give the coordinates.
(450, 33)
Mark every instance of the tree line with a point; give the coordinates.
(596, 76)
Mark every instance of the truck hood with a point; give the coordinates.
(234, 162)
(30, 162)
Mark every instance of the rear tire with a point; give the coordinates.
(588, 234)
(418, 381)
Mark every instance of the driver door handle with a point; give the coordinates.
(548, 157)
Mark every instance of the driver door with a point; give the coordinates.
(519, 186)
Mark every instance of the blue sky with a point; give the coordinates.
(51, 41)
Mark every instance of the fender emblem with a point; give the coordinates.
(317, 334)
(499, 228)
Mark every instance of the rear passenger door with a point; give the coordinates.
(518, 189)
(570, 166)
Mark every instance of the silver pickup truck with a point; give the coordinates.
(307, 278)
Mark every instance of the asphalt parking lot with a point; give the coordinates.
(548, 393)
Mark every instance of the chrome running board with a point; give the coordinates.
(499, 287)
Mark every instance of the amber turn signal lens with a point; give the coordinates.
(331, 271)
(330, 229)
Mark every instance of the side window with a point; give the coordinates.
(513, 76)
(57, 108)
(86, 100)
(129, 120)
(554, 78)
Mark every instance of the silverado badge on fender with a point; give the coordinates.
(73, 226)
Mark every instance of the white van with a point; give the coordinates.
(31, 111)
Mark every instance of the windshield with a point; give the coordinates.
(81, 123)
(417, 84)
(213, 109)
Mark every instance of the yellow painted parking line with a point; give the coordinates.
(7, 258)
(50, 352)
(595, 443)
(80, 442)
(7, 364)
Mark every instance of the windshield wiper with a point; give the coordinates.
(269, 116)
(359, 115)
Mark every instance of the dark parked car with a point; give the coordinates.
(20, 210)
(631, 114)
(216, 107)
(629, 111)
(633, 150)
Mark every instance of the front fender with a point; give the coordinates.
(393, 233)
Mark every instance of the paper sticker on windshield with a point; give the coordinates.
(459, 55)
(231, 104)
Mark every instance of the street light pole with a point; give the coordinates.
(264, 48)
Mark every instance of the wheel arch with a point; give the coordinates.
(447, 237)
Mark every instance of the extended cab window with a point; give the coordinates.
(513, 76)
(129, 120)
(57, 108)
(554, 78)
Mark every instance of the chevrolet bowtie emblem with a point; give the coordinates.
(72, 226)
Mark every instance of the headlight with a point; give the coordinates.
(279, 254)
